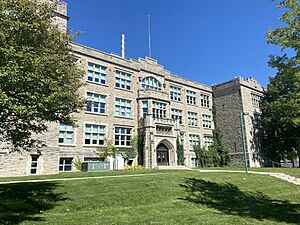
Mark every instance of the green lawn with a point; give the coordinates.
(169, 197)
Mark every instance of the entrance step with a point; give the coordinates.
(172, 168)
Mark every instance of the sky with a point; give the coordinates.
(208, 41)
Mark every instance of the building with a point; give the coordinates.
(230, 99)
(129, 97)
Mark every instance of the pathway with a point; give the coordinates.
(281, 176)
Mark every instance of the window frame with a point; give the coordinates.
(123, 79)
(92, 68)
(118, 141)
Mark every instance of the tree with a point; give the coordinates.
(39, 78)
(280, 120)
(180, 152)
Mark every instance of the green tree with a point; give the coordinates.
(39, 78)
(180, 152)
(280, 121)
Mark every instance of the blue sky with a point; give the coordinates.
(206, 41)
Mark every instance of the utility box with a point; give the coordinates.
(95, 166)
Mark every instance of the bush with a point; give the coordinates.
(134, 168)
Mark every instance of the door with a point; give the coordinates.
(162, 155)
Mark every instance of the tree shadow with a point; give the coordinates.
(26, 201)
(229, 199)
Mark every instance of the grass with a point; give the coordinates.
(169, 197)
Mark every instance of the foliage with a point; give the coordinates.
(134, 167)
(39, 78)
(180, 152)
(280, 120)
(132, 153)
(77, 163)
(108, 150)
(141, 145)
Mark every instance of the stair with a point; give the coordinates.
(172, 168)
(286, 177)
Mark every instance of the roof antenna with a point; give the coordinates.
(123, 46)
(149, 37)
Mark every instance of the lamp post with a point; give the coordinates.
(244, 138)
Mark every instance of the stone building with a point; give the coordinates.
(127, 97)
(230, 99)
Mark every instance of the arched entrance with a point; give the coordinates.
(162, 155)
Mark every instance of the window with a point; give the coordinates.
(123, 107)
(94, 134)
(255, 99)
(208, 140)
(206, 121)
(95, 103)
(96, 73)
(151, 83)
(123, 80)
(192, 119)
(159, 110)
(205, 101)
(122, 136)
(256, 120)
(66, 134)
(176, 114)
(145, 108)
(65, 164)
(163, 130)
(193, 140)
(175, 93)
(191, 97)
(34, 164)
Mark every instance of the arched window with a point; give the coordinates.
(151, 83)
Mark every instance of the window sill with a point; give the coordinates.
(66, 145)
(207, 128)
(123, 89)
(123, 146)
(176, 101)
(192, 104)
(124, 117)
(93, 146)
(92, 82)
(98, 114)
(193, 126)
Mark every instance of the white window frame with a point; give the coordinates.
(96, 71)
(175, 93)
(123, 80)
(206, 121)
(193, 119)
(190, 97)
(63, 131)
(177, 114)
(194, 139)
(127, 136)
(92, 101)
(99, 133)
(123, 107)
(205, 100)
(159, 110)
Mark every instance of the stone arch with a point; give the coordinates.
(165, 153)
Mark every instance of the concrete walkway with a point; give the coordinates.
(78, 178)
(281, 176)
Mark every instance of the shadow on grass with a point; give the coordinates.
(229, 199)
(26, 201)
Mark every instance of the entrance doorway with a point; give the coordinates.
(162, 155)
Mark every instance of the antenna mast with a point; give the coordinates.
(149, 37)
(123, 46)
